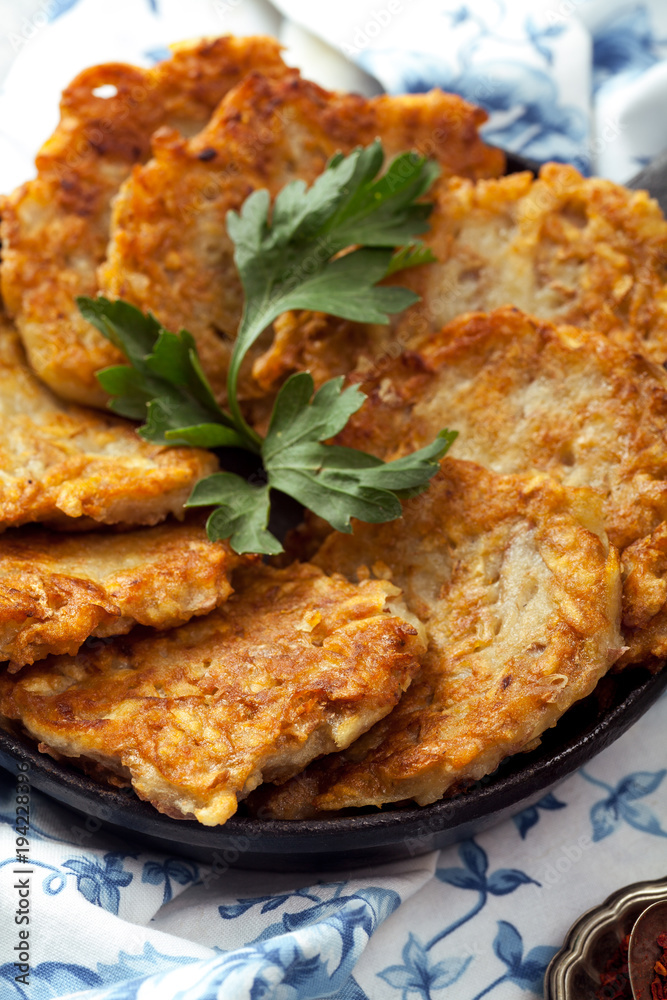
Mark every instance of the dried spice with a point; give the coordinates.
(659, 983)
(615, 979)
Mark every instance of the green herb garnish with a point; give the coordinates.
(324, 248)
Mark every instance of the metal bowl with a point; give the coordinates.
(574, 973)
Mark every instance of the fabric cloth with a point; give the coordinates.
(108, 920)
(578, 80)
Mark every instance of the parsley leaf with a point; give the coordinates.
(241, 514)
(336, 483)
(325, 248)
(291, 261)
(164, 383)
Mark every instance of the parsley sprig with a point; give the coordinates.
(324, 248)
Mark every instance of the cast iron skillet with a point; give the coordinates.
(364, 837)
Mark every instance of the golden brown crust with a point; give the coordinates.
(57, 590)
(644, 567)
(575, 250)
(62, 462)
(293, 665)
(56, 228)
(519, 592)
(170, 251)
(571, 249)
(524, 395)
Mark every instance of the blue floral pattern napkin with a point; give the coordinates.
(583, 81)
(109, 921)
(580, 80)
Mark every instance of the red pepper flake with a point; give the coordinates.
(614, 979)
(659, 983)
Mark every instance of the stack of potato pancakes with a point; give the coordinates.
(407, 659)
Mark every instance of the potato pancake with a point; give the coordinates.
(70, 466)
(520, 595)
(525, 394)
(295, 664)
(169, 251)
(575, 250)
(644, 566)
(55, 228)
(57, 590)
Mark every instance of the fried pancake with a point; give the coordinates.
(525, 394)
(57, 590)
(169, 250)
(60, 462)
(644, 567)
(56, 228)
(520, 594)
(294, 665)
(575, 250)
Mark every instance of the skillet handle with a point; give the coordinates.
(654, 179)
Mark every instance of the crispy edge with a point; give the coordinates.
(79, 487)
(593, 253)
(80, 169)
(413, 753)
(58, 591)
(644, 567)
(366, 659)
(265, 133)
(405, 409)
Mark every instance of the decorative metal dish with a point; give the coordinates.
(574, 973)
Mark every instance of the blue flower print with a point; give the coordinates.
(474, 876)
(541, 126)
(353, 990)
(290, 966)
(54, 11)
(418, 976)
(47, 980)
(621, 804)
(145, 963)
(526, 973)
(539, 37)
(544, 128)
(182, 872)
(527, 818)
(458, 16)
(50, 980)
(625, 44)
(230, 911)
(100, 883)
